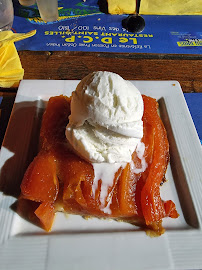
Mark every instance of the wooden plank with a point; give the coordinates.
(76, 65)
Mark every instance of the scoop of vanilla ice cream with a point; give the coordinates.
(105, 124)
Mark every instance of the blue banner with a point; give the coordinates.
(81, 26)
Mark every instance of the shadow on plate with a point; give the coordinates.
(20, 145)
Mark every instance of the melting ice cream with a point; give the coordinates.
(105, 124)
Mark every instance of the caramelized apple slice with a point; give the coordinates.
(40, 182)
(46, 213)
(170, 209)
(148, 140)
(127, 187)
(152, 205)
(54, 121)
(76, 174)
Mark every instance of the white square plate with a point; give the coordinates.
(75, 243)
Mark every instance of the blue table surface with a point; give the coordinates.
(194, 102)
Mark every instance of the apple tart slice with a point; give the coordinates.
(59, 179)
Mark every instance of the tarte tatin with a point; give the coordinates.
(59, 179)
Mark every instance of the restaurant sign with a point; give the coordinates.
(81, 26)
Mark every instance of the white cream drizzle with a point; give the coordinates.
(106, 173)
(140, 154)
(107, 209)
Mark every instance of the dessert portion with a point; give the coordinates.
(103, 153)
